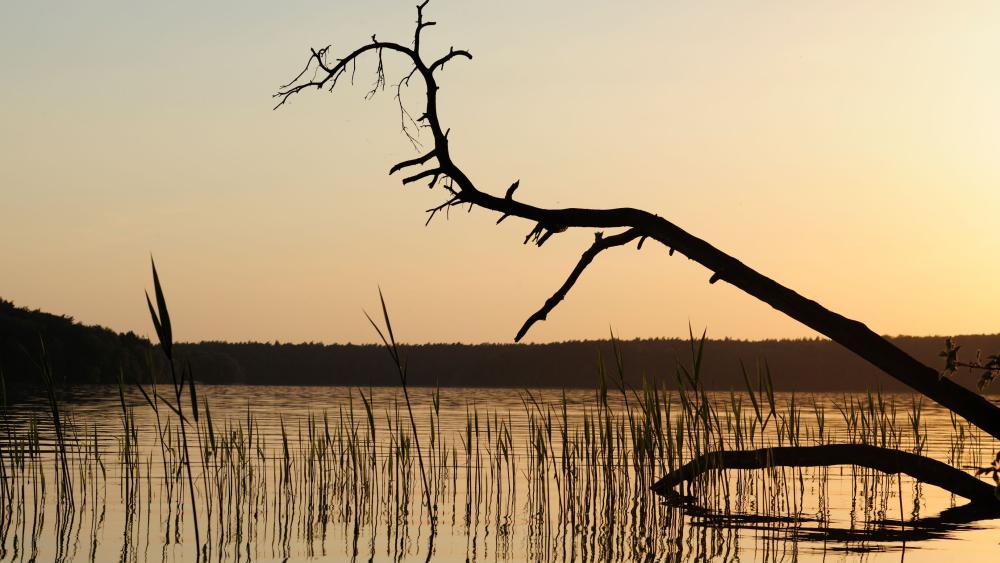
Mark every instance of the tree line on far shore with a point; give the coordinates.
(91, 354)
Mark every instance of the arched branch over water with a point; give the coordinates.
(923, 469)
(322, 71)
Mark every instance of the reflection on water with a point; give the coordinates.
(332, 474)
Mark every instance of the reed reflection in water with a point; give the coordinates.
(330, 473)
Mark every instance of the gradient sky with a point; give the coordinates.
(847, 149)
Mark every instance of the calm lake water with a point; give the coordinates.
(333, 474)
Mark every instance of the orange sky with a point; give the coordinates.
(846, 149)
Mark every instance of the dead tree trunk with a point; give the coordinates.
(923, 469)
(322, 73)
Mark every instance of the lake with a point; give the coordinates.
(338, 474)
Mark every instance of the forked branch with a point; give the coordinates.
(600, 245)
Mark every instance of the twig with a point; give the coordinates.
(600, 244)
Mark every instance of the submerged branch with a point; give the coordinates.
(923, 469)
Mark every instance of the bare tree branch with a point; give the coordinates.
(439, 64)
(600, 245)
(435, 172)
(852, 334)
(318, 55)
(455, 200)
(330, 75)
(510, 191)
(412, 162)
(421, 24)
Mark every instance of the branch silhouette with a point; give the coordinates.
(319, 73)
(886, 460)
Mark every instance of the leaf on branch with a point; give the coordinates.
(950, 355)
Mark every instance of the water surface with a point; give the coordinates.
(333, 474)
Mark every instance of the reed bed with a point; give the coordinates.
(553, 480)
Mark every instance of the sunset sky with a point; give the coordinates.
(849, 150)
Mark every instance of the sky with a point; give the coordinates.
(846, 149)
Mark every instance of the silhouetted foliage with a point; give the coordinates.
(988, 367)
(77, 353)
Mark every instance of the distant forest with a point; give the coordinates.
(76, 353)
(90, 354)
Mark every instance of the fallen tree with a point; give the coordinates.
(636, 225)
(886, 460)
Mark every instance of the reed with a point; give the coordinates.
(164, 332)
(563, 477)
(393, 349)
